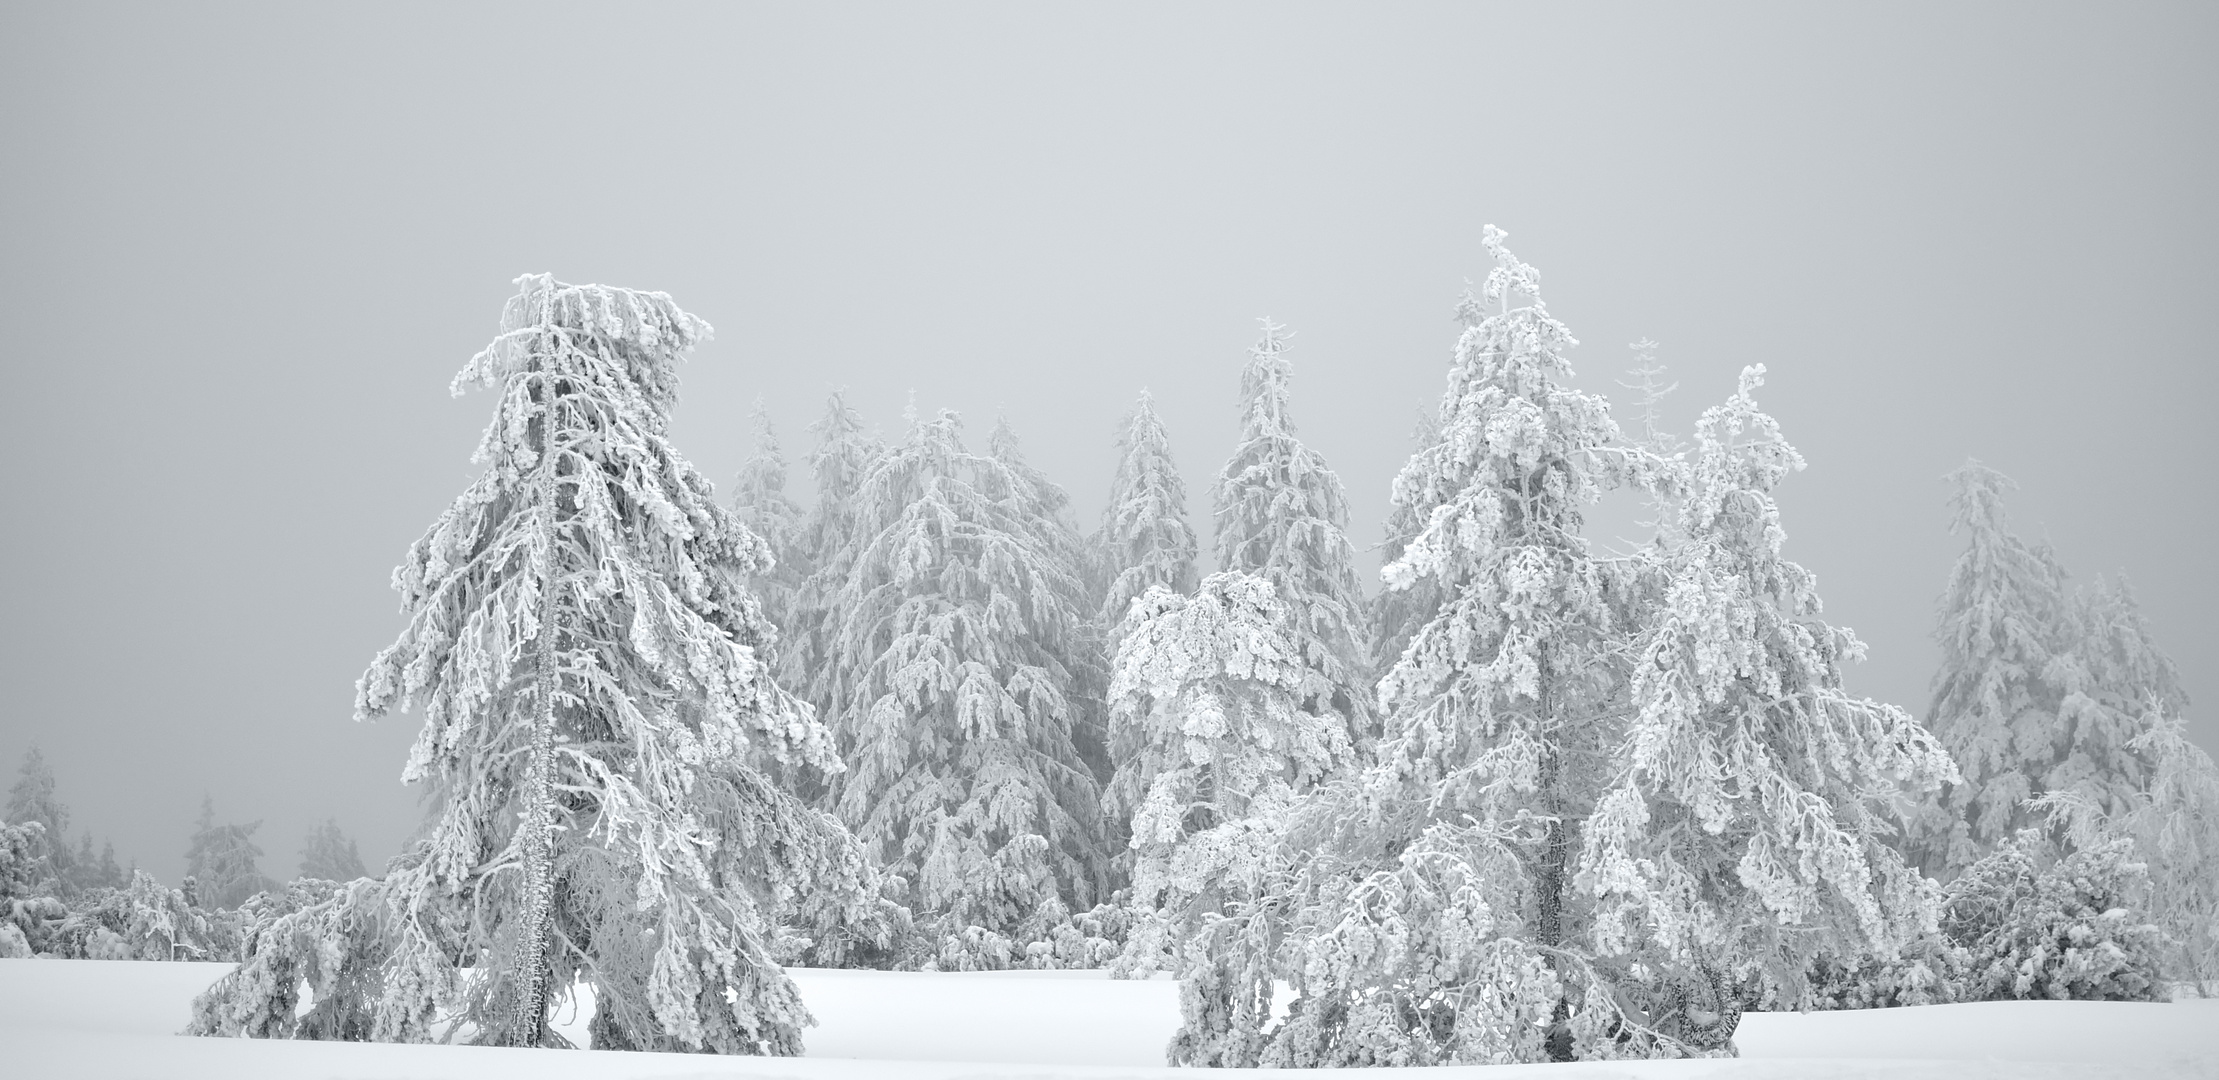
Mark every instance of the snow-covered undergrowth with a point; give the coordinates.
(95, 1019)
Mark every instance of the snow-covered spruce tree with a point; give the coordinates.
(760, 501)
(1425, 914)
(1648, 374)
(1748, 828)
(2036, 921)
(224, 860)
(32, 798)
(845, 454)
(143, 920)
(89, 871)
(1083, 656)
(2005, 622)
(2175, 826)
(952, 701)
(1144, 543)
(2168, 830)
(1396, 614)
(1145, 540)
(330, 855)
(1657, 442)
(1280, 513)
(585, 654)
(1208, 689)
(2116, 682)
(29, 912)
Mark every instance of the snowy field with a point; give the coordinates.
(87, 1019)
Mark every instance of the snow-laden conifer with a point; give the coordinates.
(1424, 914)
(328, 854)
(760, 502)
(2175, 826)
(846, 452)
(1748, 825)
(139, 920)
(2036, 921)
(952, 702)
(1144, 543)
(1280, 513)
(2005, 623)
(101, 871)
(29, 912)
(1209, 688)
(1145, 539)
(224, 860)
(1648, 373)
(2169, 828)
(1396, 614)
(33, 798)
(1658, 443)
(587, 660)
(2115, 683)
(1083, 655)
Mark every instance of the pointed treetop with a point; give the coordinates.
(766, 437)
(1145, 536)
(1648, 373)
(762, 478)
(1979, 497)
(649, 331)
(1002, 442)
(2121, 649)
(1742, 450)
(844, 448)
(1264, 385)
(1470, 309)
(1509, 275)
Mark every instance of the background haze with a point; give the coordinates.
(244, 248)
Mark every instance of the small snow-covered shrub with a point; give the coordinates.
(1928, 971)
(367, 981)
(29, 913)
(143, 921)
(22, 848)
(1086, 939)
(2070, 927)
(13, 945)
(1053, 940)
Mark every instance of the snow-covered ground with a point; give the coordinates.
(88, 1019)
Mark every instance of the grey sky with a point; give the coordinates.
(243, 249)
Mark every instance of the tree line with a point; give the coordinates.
(66, 903)
(1533, 801)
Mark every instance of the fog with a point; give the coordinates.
(244, 248)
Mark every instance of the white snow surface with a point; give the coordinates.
(69, 1019)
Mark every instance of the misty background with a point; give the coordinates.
(243, 248)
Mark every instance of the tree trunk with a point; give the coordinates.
(1548, 930)
(528, 1026)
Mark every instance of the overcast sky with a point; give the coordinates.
(243, 249)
